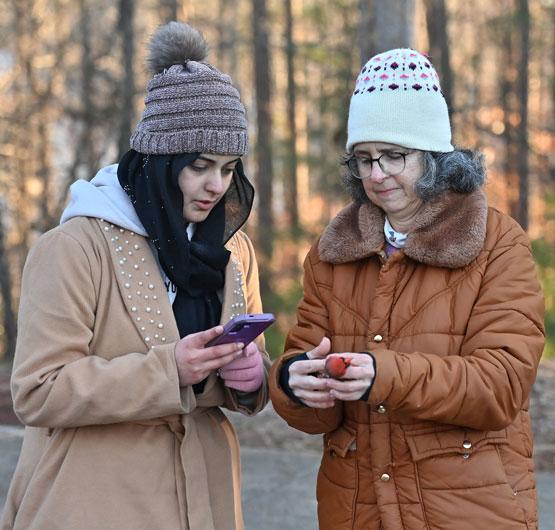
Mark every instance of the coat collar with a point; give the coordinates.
(450, 232)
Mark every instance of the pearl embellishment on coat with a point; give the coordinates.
(132, 261)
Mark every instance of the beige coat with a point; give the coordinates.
(112, 441)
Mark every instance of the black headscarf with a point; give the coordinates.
(196, 267)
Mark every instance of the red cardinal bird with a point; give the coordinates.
(336, 366)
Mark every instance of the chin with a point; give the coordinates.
(195, 217)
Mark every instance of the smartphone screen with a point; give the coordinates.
(243, 328)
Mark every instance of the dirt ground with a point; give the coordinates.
(268, 430)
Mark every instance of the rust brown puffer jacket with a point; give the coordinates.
(455, 323)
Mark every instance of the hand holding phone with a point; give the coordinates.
(243, 328)
(195, 362)
(246, 372)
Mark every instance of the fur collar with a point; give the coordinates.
(450, 232)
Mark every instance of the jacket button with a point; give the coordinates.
(385, 477)
(381, 409)
(378, 338)
(467, 444)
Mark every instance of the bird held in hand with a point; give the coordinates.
(337, 365)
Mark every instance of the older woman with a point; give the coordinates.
(432, 302)
(120, 394)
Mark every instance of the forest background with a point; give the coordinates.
(72, 82)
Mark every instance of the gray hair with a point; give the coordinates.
(459, 171)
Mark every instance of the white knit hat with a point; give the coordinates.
(398, 100)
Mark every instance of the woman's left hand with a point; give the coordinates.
(356, 380)
(246, 372)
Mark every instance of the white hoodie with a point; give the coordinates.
(104, 198)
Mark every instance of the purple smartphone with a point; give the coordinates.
(243, 328)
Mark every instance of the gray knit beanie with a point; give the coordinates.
(190, 106)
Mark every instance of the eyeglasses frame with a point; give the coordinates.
(352, 160)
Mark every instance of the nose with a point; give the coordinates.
(215, 182)
(376, 174)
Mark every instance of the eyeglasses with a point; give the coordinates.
(391, 163)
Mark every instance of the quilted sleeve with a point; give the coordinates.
(311, 327)
(489, 382)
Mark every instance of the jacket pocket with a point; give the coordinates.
(337, 486)
(425, 442)
(455, 467)
(449, 457)
(339, 459)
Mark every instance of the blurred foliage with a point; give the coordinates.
(544, 254)
(284, 305)
(543, 249)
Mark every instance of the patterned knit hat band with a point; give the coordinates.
(397, 99)
(190, 106)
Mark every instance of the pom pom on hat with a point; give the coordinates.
(175, 43)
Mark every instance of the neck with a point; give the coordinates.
(404, 221)
(402, 224)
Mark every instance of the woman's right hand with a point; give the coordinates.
(312, 390)
(195, 362)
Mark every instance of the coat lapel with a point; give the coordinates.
(233, 298)
(141, 285)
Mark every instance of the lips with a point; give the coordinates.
(385, 192)
(204, 205)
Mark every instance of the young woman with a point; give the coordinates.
(112, 377)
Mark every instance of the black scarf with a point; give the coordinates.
(196, 267)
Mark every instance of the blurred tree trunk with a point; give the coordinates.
(92, 103)
(366, 45)
(227, 38)
(437, 21)
(221, 24)
(523, 14)
(22, 108)
(393, 24)
(8, 315)
(126, 28)
(169, 10)
(45, 220)
(291, 161)
(84, 154)
(507, 80)
(42, 92)
(83, 159)
(553, 64)
(265, 228)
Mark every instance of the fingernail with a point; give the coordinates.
(240, 345)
